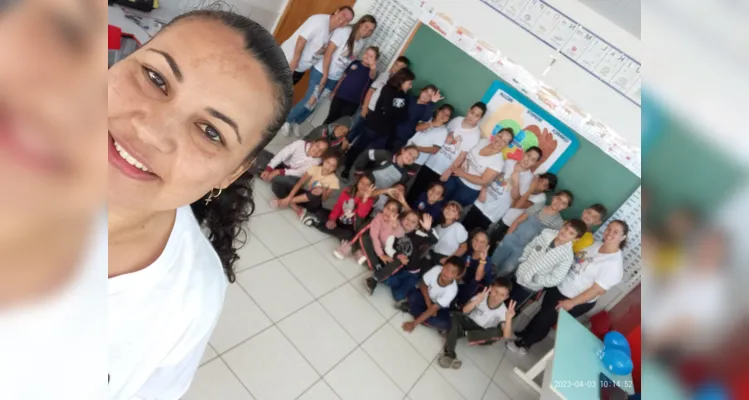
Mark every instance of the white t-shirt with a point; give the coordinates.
(450, 238)
(512, 214)
(316, 30)
(434, 136)
(485, 317)
(377, 85)
(606, 270)
(161, 317)
(341, 58)
(56, 348)
(442, 295)
(499, 193)
(458, 139)
(476, 164)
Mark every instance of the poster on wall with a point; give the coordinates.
(533, 126)
(395, 20)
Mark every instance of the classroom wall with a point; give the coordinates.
(264, 12)
(566, 77)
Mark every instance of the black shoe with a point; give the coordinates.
(371, 285)
(403, 306)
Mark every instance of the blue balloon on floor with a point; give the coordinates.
(617, 361)
(615, 340)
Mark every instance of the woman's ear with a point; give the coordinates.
(226, 182)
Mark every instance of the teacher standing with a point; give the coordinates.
(307, 45)
(342, 49)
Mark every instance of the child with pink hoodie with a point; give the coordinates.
(374, 241)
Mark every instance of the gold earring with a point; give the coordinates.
(212, 196)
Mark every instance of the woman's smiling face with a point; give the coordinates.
(185, 111)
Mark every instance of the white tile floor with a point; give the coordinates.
(298, 325)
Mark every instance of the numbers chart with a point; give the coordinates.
(395, 20)
(592, 53)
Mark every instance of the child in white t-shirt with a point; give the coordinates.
(480, 321)
(451, 234)
(477, 168)
(429, 302)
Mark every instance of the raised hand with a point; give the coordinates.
(510, 310)
(437, 97)
(483, 254)
(484, 293)
(426, 222)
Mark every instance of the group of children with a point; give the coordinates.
(414, 169)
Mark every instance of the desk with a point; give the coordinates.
(572, 367)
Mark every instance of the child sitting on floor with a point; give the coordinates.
(430, 202)
(397, 193)
(350, 211)
(318, 182)
(480, 321)
(334, 132)
(429, 302)
(478, 268)
(404, 272)
(451, 233)
(370, 241)
(294, 160)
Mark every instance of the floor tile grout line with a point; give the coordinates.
(226, 364)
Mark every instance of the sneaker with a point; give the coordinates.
(402, 306)
(309, 220)
(513, 347)
(371, 284)
(445, 360)
(295, 129)
(343, 250)
(285, 129)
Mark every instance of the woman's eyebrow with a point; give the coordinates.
(172, 64)
(226, 119)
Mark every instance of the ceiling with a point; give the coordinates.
(624, 13)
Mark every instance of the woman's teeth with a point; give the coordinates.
(130, 159)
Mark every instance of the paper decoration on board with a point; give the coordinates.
(576, 39)
(507, 108)
(629, 212)
(583, 47)
(395, 21)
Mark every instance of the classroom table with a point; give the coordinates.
(571, 369)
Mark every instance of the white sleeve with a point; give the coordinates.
(309, 27)
(438, 136)
(497, 164)
(432, 275)
(172, 381)
(284, 153)
(448, 297)
(380, 81)
(610, 275)
(462, 233)
(340, 36)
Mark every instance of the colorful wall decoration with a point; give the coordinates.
(533, 126)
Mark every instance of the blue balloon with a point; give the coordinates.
(617, 361)
(615, 340)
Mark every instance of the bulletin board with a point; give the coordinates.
(591, 175)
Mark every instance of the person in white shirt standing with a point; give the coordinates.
(599, 270)
(307, 44)
(546, 260)
(496, 198)
(345, 44)
(472, 171)
(431, 135)
(180, 142)
(463, 134)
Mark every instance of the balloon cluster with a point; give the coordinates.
(616, 354)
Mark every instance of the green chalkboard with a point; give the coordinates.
(591, 175)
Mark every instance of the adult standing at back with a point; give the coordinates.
(307, 45)
(345, 44)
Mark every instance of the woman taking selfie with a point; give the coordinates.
(188, 113)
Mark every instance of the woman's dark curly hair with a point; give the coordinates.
(225, 216)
